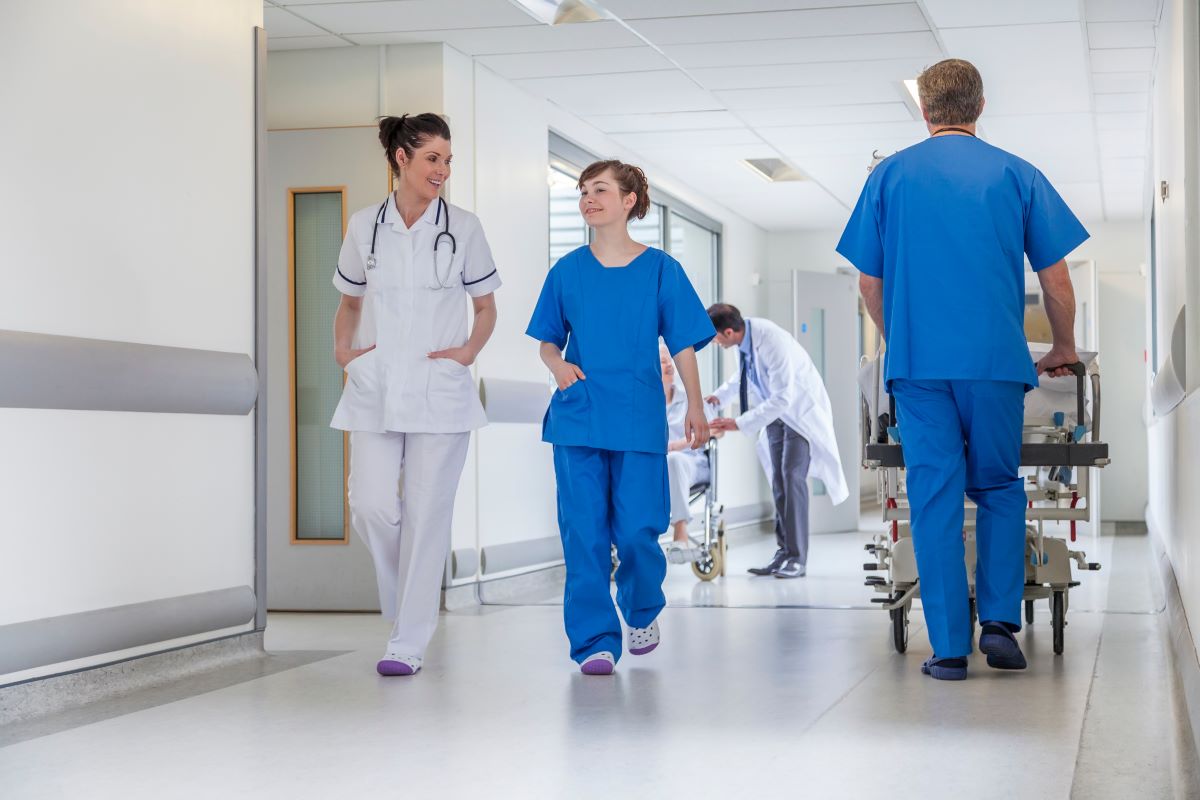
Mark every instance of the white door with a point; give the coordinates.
(825, 322)
(314, 561)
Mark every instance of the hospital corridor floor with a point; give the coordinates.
(762, 688)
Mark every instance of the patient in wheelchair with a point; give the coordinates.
(685, 467)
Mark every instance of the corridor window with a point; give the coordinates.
(317, 221)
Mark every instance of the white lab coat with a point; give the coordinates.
(396, 387)
(795, 394)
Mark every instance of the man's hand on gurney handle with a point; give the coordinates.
(1057, 363)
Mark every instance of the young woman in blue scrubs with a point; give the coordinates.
(608, 304)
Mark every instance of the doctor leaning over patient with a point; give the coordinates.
(783, 402)
(939, 234)
(406, 270)
(607, 304)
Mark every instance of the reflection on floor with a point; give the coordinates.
(807, 699)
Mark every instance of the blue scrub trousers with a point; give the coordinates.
(964, 436)
(604, 497)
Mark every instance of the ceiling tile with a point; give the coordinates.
(1116, 144)
(840, 116)
(1117, 82)
(640, 9)
(1120, 10)
(630, 93)
(532, 38)
(783, 24)
(1132, 101)
(810, 96)
(279, 23)
(1027, 69)
(306, 42)
(1124, 121)
(857, 135)
(819, 74)
(802, 51)
(516, 66)
(1139, 59)
(413, 15)
(688, 139)
(1102, 35)
(978, 13)
(1132, 167)
(675, 121)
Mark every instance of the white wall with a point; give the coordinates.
(128, 157)
(1174, 473)
(501, 137)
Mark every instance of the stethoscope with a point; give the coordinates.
(445, 233)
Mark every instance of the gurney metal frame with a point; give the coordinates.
(1062, 462)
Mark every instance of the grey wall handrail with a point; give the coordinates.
(39, 370)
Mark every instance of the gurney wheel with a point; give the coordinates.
(1058, 619)
(1028, 612)
(900, 628)
(712, 563)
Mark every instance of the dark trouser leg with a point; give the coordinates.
(796, 458)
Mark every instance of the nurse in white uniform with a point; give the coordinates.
(406, 270)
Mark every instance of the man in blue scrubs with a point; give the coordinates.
(939, 234)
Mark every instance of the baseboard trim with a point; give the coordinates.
(1182, 645)
(43, 696)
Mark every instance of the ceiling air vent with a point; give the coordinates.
(775, 170)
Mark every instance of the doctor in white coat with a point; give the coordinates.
(406, 271)
(783, 401)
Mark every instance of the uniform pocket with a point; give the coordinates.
(569, 410)
(361, 370)
(450, 386)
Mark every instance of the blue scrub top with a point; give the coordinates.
(609, 319)
(945, 224)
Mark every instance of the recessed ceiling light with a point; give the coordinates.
(773, 170)
(563, 12)
(912, 98)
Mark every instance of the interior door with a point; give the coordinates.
(825, 322)
(314, 560)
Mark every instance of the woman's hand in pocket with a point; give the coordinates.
(463, 355)
(344, 355)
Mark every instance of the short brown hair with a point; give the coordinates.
(630, 180)
(951, 92)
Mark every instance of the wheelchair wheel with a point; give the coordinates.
(1058, 618)
(900, 628)
(712, 563)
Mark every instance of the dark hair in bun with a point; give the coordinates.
(630, 179)
(409, 133)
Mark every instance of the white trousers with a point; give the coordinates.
(683, 470)
(402, 488)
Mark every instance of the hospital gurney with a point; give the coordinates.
(1060, 446)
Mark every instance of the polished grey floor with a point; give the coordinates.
(762, 687)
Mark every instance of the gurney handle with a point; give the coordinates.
(1080, 372)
